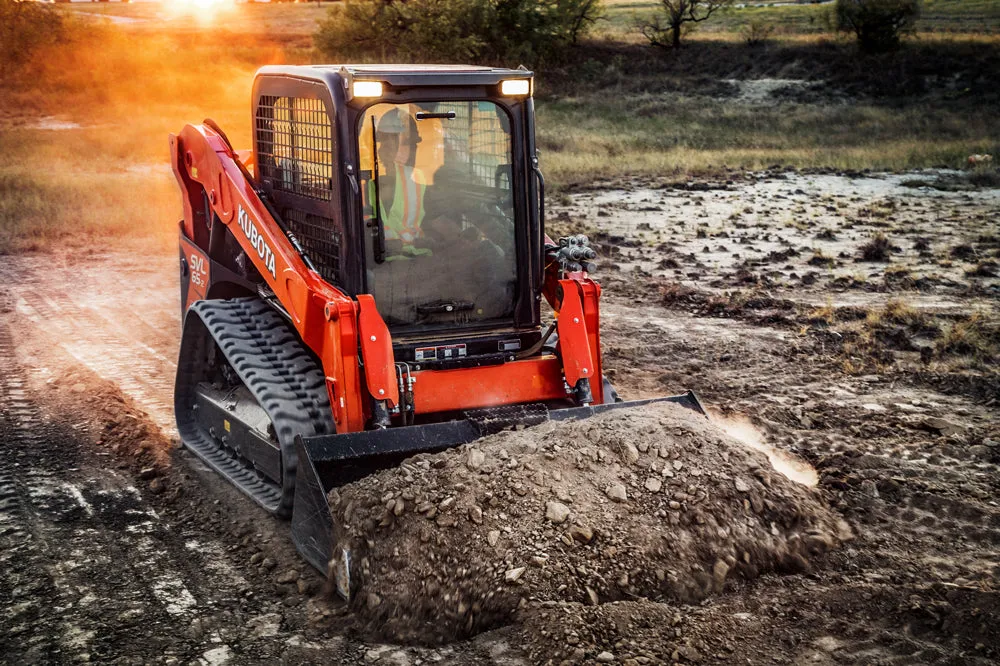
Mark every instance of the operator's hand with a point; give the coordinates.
(442, 230)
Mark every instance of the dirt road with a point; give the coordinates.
(114, 546)
(117, 547)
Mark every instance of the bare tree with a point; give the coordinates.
(577, 17)
(665, 31)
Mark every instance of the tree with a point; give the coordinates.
(665, 31)
(878, 24)
(576, 17)
(25, 27)
(485, 31)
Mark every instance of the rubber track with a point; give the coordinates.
(279, 371)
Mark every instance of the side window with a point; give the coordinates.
(295, 157)
(295, 145)
(320, 239)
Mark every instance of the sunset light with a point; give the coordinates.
(203, 11)
(587, 332)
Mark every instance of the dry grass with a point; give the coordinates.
(106, 172)
(972, 343)
(878, 340)
(877, 248)
(826, 315)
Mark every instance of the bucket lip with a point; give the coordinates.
(448, 434)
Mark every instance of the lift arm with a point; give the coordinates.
(327, 320)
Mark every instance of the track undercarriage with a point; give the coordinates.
(246, 386)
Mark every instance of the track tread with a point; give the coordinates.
(279, 371)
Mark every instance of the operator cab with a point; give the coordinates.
(416, 184)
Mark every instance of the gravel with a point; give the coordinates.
(653, 502)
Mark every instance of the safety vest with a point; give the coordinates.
(406, 211)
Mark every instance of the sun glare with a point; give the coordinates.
(203, 11)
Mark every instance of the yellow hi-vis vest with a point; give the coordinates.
(404, 214)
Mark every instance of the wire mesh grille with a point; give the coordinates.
(320, 239)
(295, 145)
(478, 136)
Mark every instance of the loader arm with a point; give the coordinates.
(575, 299)
(326, 319)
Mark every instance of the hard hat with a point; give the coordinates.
(390, 123)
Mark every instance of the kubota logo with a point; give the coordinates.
(257, 240)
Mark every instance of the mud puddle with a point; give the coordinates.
(54, 124)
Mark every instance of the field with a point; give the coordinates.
(805, 100)
(789, 229)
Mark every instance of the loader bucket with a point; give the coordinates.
(328, 461)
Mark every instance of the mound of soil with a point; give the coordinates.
(114, 418)
(651, 502)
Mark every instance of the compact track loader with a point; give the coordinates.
(367, 283)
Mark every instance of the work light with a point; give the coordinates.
(367, 88)
(515, 87)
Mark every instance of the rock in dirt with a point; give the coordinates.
(476, 459)
(616, 492)
(514, 575)
(440, 581)
(286, 577)
(942, 426)
(556, 512)
(581, 533)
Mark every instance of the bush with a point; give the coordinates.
(509, 32)
(878, 248)
(25, 27)
(756, 32)
(878, 24)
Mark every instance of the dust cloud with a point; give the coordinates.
(741, 429)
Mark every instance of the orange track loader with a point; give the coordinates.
(366, 283)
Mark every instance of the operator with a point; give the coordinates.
(402, 187)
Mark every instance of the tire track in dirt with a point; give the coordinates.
(144, 373)
(108, 577)
(86, 562)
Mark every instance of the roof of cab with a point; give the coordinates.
(401, 75)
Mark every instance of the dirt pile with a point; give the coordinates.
(654, 502)
(113, 418)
